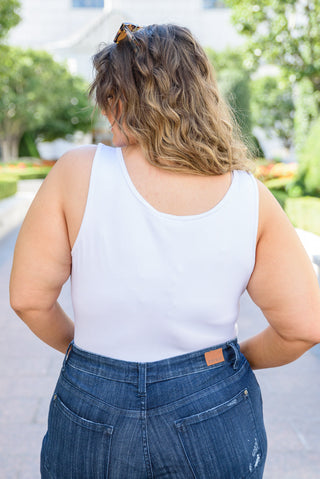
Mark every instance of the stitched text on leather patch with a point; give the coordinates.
(214, 356)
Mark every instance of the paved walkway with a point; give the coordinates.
(29, 370)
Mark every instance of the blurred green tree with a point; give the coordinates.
(38, 95)
(9, 16)
(308, 177)
(286, 34)
(272, 107)
(233, 77)
(306, 111)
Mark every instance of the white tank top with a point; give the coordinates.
(148, 285)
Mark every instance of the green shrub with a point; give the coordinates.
(8, 186)
(26, 161)
(256, 147)
(27, 173)
(308, 177)
(272, 107)
(306, 111)
(278, 183)
(304, 213)
(234, 86)
(33, 173)
(280, 195)
(28, 146)
(234, 83)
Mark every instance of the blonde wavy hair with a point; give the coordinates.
(170, 101)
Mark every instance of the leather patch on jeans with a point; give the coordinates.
(214, 356)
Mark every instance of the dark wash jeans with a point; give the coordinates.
(174, 418)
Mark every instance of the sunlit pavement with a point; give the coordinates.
(29, 370)
(291, 396)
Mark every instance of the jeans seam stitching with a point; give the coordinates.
(220, 384)
(100, 401)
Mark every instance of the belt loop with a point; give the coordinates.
(66, 356)
(234, 345)
(142, 372)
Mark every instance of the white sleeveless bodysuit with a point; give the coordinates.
(148, 285)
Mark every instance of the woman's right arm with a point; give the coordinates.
(285, 287)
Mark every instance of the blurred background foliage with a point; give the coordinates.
(234, 83)
(272, 107)
(286, 34)
(9, 16)
(39, 98)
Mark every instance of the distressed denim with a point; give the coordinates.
(196, 415)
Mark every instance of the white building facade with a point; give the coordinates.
(74, 29)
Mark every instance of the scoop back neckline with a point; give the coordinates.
(170, 216)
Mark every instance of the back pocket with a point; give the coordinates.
(222, 442)
(74, 447)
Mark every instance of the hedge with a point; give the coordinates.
(278, 183)
(27, 173)
(8, 186)
(304, 213)
(9, 178)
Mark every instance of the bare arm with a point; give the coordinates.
(42, 257)
(284, 285)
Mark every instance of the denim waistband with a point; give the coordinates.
(128, 371)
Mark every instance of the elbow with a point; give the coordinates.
(24, 309)
(14, 300)
(312, 332)
(16, 296)
(21, 297)
(316, 339)
(26, 302)
(307, 338)
(301, 324)
(20, 302)
(17, 304)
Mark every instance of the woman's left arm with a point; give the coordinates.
(42, 263)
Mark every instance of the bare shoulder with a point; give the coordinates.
(73, 171)
(76, 160)
(72, 167)
(81, 152)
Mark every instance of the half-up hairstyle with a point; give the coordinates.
(170, 101)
